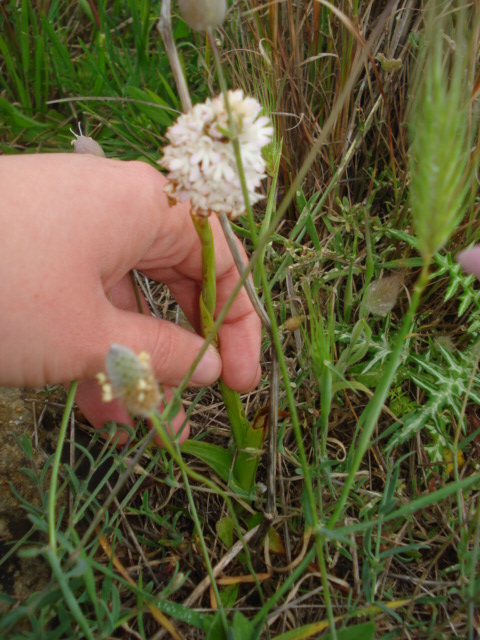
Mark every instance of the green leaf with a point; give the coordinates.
(229, 595)
(225, 531)
(183, 614)
(242, 627)
(152, 106)
(363, 631)
(216, 457)
(250, 449)
(18, 118)
(214, 628)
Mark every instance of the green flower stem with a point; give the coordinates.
(208, 297)
(371, 413)
(248, 439)
(273, 418)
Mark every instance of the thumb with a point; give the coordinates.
(172, 349)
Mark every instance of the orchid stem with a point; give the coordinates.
(247, 439)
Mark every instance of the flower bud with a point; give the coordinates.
(381, 295)
(130, 379)
(201, 15)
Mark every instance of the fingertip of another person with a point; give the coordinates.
(469, 260)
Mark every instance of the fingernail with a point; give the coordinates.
(208, 369)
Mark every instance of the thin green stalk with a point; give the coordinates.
(52, 531)
(69, 596)
(51, 553)
(203, 544)
(371, 413)
(301, 451)
(235, 141)
(278, 349)
(419, 504)
(253, 439)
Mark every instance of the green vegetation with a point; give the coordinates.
(375, 512)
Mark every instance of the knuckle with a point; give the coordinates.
(163, 351)
(146, 178)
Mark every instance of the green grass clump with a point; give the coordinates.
(376, 517)
(101, 65)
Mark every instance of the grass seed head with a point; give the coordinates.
(440, 151)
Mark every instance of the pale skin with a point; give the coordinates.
(73, 226)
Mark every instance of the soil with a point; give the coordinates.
(29, 425)
(22, 447)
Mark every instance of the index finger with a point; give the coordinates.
(240, 334)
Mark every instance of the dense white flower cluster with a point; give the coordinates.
(200, 158)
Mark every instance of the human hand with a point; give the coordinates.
(73, 226)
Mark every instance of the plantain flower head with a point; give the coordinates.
(130, 379)
(201, 15)
(200, 158)
(382, 295)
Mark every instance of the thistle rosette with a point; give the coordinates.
(200, 158)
